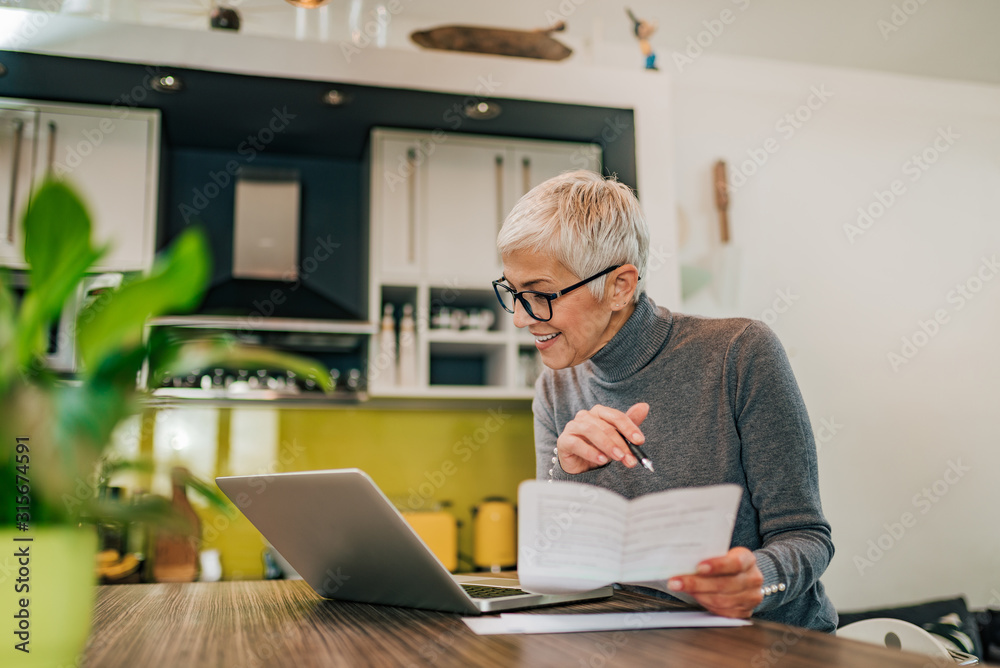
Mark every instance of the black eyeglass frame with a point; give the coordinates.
(548, 296)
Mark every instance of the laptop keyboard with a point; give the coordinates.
(481, 591)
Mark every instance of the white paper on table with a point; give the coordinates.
(604, 621)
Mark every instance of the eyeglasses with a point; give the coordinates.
(537, 304)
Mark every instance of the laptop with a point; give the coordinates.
(349, 543)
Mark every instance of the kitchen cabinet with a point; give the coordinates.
(17, 151)
(110, 155)
(437, 202)
(465, 201)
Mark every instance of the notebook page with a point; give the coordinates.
(670, 532)
(570, 536)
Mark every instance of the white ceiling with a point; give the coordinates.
(954, 39)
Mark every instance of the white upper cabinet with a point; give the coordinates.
(17, 152)
(438, 200)
(464, 208)
(111, 157)
(534, 162)
(395, 202)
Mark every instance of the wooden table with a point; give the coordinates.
(283, 623)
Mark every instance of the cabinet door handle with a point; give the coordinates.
(53, 129)
(411, 211)
(499, 175)
(14, 169)
(525, 175)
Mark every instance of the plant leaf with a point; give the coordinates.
(58, 250)
(207, 490)
(56, 229)
(118, 372)
(112, 465)
(151, 509)
(176, 283)
(85, 417)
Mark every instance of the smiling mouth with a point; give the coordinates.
(547, 337)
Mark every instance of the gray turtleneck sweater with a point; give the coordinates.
(724, 408)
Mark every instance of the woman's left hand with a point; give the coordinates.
(728, 586)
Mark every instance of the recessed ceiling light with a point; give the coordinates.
(167, 83)
(336, 98)
(482, 111)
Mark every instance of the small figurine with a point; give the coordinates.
(643, 31)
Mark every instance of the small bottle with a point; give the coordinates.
(175, 552)
(385, 362)
(407, 348)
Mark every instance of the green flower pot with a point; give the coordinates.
(47, 595)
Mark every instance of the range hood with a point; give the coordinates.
(266, 225)
(287, 252)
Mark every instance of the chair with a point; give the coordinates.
(897, 634)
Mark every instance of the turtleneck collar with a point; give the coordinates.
(635, 345)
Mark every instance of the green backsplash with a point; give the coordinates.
(418, 457)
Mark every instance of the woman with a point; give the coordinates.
(709, 400)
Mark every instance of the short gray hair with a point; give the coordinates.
(586, 222)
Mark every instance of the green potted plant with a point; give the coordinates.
(54, 431)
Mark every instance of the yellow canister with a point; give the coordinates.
(494, 535)
(440, 531)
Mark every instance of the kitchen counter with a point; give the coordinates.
(283, 623)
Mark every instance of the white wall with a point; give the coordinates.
(885, 434)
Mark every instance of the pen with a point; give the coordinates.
(639, 454)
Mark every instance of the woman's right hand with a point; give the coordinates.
(593, 438)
